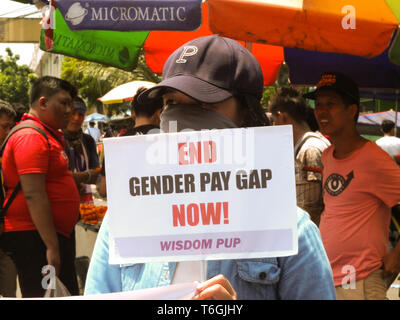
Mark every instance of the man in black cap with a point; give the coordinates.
(361, 184)
(81, 151)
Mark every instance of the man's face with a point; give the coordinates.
(58, 109)
(75, 122)
(332, 114)
(6, 123)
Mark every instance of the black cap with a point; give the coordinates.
(210, 69)
(338, 82)
(80, 106)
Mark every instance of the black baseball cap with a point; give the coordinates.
(79, 105)
(210, 69)
(338, 82)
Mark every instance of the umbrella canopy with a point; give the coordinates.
(306, 67)
(317, 25)
(394, 52)
(121, 49)
(359, 27)
(96, 117)
(124, 92)
(377, 118)
(389, 95)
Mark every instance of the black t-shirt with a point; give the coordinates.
(134, 132)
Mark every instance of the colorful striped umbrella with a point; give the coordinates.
(376, 119)
(357, 27)
(365, 29)
(124, 92)
(121, 49)
(394, 53)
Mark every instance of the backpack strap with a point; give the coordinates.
(20, 126)
(308, 136)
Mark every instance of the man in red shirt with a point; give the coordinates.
(41, 219)
(8, 273)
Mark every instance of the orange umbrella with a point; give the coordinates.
(160, 44)
(357, 27)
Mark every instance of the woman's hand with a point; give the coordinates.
(216, 288)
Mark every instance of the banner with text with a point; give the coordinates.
(131, 15)
(201, 195)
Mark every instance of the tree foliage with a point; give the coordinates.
(15, 80)
(94, 80)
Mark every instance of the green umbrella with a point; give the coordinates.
(394, 53)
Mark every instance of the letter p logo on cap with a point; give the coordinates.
(187, 52)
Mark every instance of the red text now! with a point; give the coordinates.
(204, 213)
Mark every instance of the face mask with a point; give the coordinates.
(180, 117)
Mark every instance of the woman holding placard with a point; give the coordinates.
(215, 83)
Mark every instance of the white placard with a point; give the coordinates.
(201, 195)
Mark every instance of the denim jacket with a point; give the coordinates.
(307, 275)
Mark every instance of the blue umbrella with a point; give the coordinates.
(306, 67)
(96, 117)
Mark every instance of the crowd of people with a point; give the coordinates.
(346, 186)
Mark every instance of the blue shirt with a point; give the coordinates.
(306, 275)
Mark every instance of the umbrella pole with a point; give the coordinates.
(395, 117)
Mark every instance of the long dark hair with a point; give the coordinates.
(252, 112)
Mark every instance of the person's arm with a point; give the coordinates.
(308, 274)
(101, 183)
(34, 190)
(391, 262)
(309, 198)
(102, 186)
(386, 186)
(88, 177)
(309, 187)
(102, 277)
